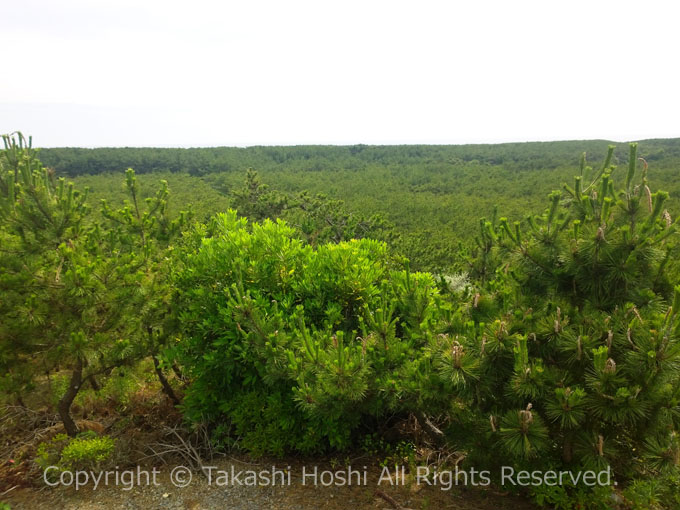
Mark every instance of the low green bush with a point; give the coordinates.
(299, 347)
(86, 452)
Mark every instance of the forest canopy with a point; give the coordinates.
(433, 196)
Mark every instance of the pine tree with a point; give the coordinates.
(75, 293)
(150, 229)
(318, 219)
(588, 351)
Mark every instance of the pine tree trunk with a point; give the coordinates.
(164, 382)
(432, 431)
(93, 383)
(64, 405)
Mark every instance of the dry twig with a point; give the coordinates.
(390, 500)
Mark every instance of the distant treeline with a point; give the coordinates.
(433, 195)
(200, 161)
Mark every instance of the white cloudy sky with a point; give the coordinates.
(166, 73)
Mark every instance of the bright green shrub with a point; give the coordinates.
(297, 347)
(85, 452)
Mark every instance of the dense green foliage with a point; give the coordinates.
(433, 195)
(298, 346)
(589, 323)
(548, 341)
(85, 452)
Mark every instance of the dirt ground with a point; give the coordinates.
(145, 420)
(203, 493)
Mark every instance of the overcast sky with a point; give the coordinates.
(190, 73)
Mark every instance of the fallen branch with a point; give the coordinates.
(9, 490)
(390, 500)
